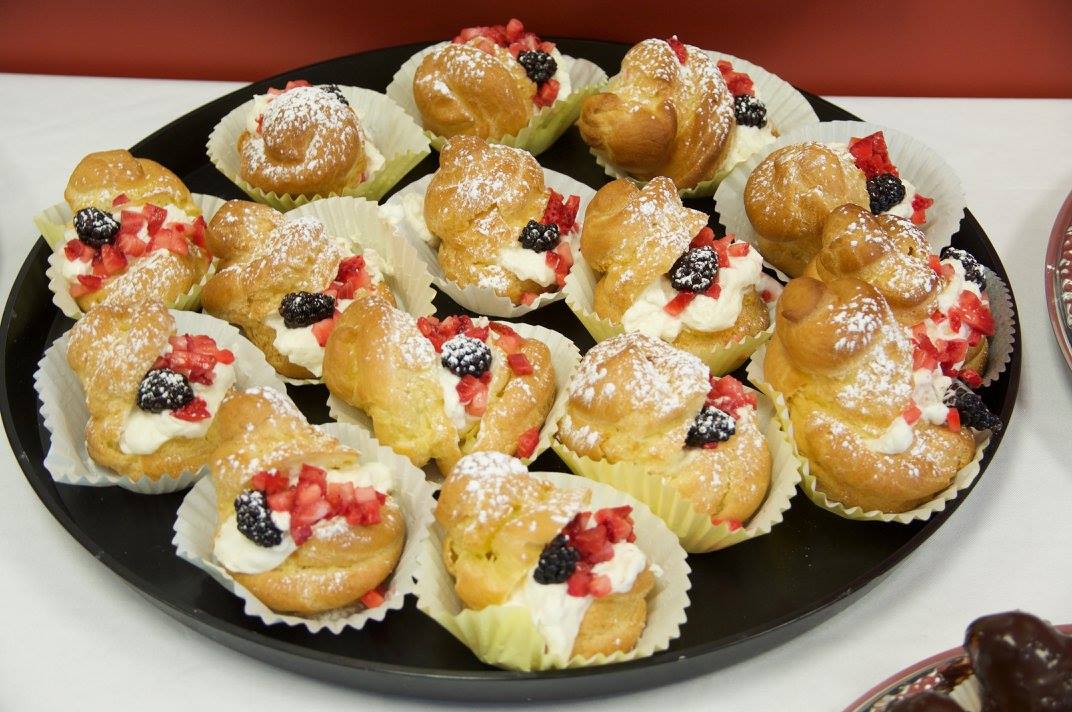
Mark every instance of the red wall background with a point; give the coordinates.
(877, 47)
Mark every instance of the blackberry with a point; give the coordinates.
(255, 520)
(540, 66)
(300, 309)
(885, 191)
(973, 412)
(695, 270)
(163, 389)
(973, 271)
(557, 561)
(711, 426)
(749, 111)
(464, 355)
(95, 227)
(334, 90)
(539, 237)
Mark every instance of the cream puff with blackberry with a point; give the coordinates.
(305, 140)
(438, 389)
(135, 231)
(285, 281)
(153, 395)
(302, 523)
(636, 399)
(512, 539)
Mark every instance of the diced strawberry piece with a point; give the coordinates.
(704, 238)
(618, 522)
(871, 155)
(678, 304)
(155, 216)
(322, 330)
(577, 583)
(971, 378)
(952, 420)
(679, 49)
(974, 313)
(91, 282)
(561, 212)
(374, 598)
(925, 358)
(714, 291)
(599, 586)
(510, 343)
(547, 47)
(477, 332)
(109, 261)
(728, 394)
(295, 83)
(76, 250)
(738, 249)
(300, 532)
(502, 328)
(565, 262)
(168, 239)
(365, 494)
(281, 501)
(547, 93)
(528, 298)
(732, 524)
(936, 264)
(739, 83)
(307, 514)
(315, 475)
(911, 413)
(194, 411)
(919, 208)
(519, 364)
(526, 443)
(484, 44)
(79, 290)
(130, 245)
(350, 266)
(593, 544)
(197, 234)
(120, 200)
(131, 222)
(307, 493)
(514, 30)
(474, 394)
(270, 482)
(766, 295)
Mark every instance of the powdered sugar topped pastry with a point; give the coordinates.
(305, 140)
(753, 129)
(662, 272)
(135, 232)
(943, 301)
(881, 430)
(515, 540)
(497, 223)
(439, 389)
(303, 524)
(790, 193)
(668, 113)
(153, 395)
(639, 400)
(285, 282)
(489, 82)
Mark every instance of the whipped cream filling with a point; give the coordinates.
(463, 422)
(299, 345)
(239, 554)
(747, 140)
(947, 299)
(558, 615)
(902, 209)
(561, 75)
(144, 432)
(527, 265)
(408, 213)
(928, 393)
(705, 314)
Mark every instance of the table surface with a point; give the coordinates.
(76, 632)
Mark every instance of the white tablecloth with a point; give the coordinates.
(74, 632)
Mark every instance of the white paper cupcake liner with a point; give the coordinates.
(695, 530)
(53, 224)
(580, 298)
(564, 359)
(510, 645)
(64, 411)
(810, 484)
(389, 128)
(484, 300)
(915, 161)
(787, 110)
(547, 123)
(195, 532)
(1001, 344)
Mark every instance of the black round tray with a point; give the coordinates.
(746, 599)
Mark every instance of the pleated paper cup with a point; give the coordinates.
(547, 123)
(484, 300)
(65, 414)
(812, 488)
(196, 523)
(580, 298)
(1000, 345)
(564, 359)
(53, 224)
(505, 636)
(787, 110)
(391, 130)
(694, 529)
(915, 161)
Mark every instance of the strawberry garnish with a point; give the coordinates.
(322, 330)
(519, 364)
(728, 394)
(155, 217)
(270, 482)
(911, 413)
(168, 239)
(120, 200)
(560, 260)
(952, 420)
(546, 94)
(130, 245)
(526, 443)
(577, 583)
(678, 304)
(704, 238)
(920, 204)
(739, 83)
(374, 598)
(197, 235)
(75, 250)
(509, 341)
(971, 310)
(131, 222)
(738, 249)
(678, 48)
(109, 261)
(473, 394)
(439, 332)
(86, 283)
(477, 332)
(733, 524)
(194, 411)
(871, 155)
(970, 377)
(561, 212)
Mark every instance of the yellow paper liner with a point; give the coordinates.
(811, 486)
(505, 636)
(580, 298)
(476, 298)
(196, 522)
(65, 415)
(53, 224)
(402, 143)
(564, 359)
(694, 529)
(787, 110)
(546, 125)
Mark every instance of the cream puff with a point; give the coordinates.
(302, 524)
(440, 389)
(153, 395)
(285, 282)
(135, 233)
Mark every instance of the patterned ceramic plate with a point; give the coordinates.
(1059, 279)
